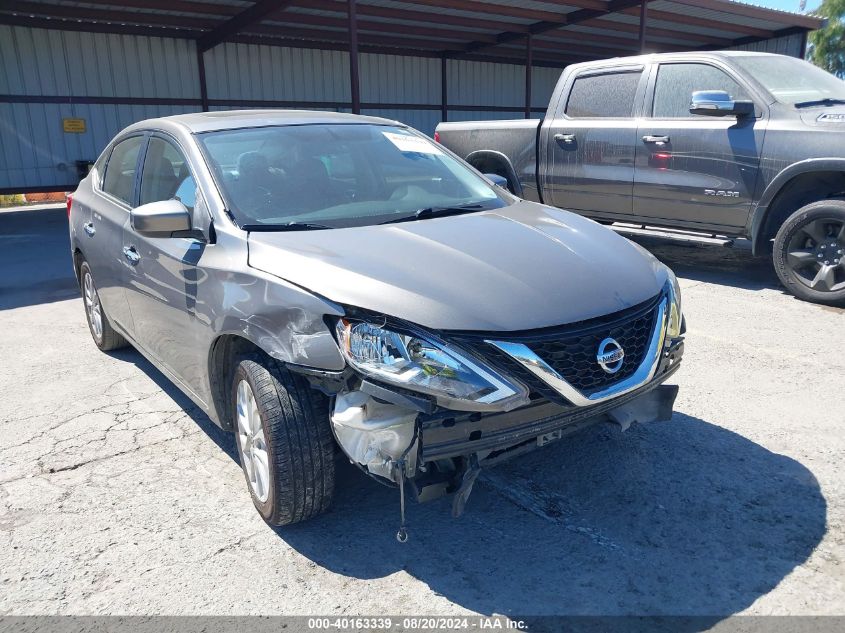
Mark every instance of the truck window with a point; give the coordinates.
(677, 82)
(609, 95)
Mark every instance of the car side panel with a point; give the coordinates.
(99, 235)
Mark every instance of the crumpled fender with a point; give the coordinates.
(282, 319)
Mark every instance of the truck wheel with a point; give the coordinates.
(284, 441)
(809, 252)
(104, 335)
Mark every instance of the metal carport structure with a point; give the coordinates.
(106, 63)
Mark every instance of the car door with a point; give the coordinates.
(592, 142)
(165, 272)
(109, 217)
(694, 169)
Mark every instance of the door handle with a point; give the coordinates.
(89, 228)
(660, 140)
(131, 255)
(564, 138)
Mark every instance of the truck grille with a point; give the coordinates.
(571, 349)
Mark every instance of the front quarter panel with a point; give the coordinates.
(282, 319)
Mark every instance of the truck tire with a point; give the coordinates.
(104, 335)
(809, 252)
(284, 442)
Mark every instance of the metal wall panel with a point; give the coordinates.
(36, 152)
(543, 82)
(787, 45)
(395, 79)
(53, 63)
(250, 72)
(485, 83)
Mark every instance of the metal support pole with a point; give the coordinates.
(643, 16)
(444, 84)
(203, 86)
(353, 57)
(528, 61)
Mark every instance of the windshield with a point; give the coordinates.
(338, 175)
(792, 80)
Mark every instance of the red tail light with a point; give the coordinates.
(437, 137)
(69, 203)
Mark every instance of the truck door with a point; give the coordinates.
(694, 169)
(592, 142)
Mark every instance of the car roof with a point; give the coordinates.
(683, 55)
(198, 122)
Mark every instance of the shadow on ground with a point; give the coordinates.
(712, 263)
(684, 517)
(35, 262)
(677, 518)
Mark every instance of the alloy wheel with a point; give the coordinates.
(816, 255)
(253, 447)
(92, 306)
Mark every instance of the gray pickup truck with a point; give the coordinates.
(730, 143)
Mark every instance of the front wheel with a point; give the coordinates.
(809, 252)
(284, 441)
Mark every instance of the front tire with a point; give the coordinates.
(809, 252)
(104, 335)
(284, 441)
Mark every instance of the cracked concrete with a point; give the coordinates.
(118, 497)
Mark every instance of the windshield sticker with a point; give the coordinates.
(408, 143)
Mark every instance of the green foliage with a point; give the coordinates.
(11, 200)
(827, 45)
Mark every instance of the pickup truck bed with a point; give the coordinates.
(515, 154)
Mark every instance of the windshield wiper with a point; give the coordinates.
(819, 102)
(289, 226)
(431, 212)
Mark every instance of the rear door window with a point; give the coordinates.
(605, 96)
(119, 180)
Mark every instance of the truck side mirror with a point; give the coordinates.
(719, 103)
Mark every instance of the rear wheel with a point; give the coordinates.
(104, 335)
(809, 252)
(284, 441)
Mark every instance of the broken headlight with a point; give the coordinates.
(419, 362)
(673, 330)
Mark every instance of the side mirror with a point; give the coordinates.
(161, 219)
(499, 181)
(719, 103)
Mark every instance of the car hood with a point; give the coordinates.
(520, 267)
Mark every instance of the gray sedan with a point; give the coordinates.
(326, 284)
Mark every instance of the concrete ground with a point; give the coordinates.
(117, 496)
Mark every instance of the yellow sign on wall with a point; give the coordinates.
(74, 126)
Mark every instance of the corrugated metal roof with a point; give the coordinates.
(675, 24)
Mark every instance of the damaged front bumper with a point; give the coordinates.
(399, 437)
(432, 448)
